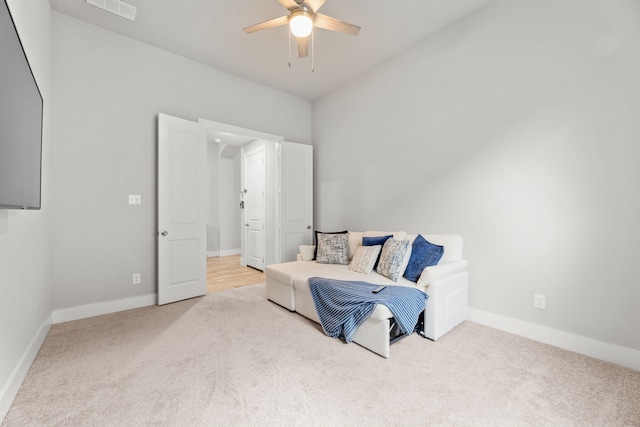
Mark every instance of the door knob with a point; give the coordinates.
(164, 232)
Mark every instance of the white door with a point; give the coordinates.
(255, 207)
(182, 202)
(296, 198)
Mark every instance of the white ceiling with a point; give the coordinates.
(210, 31)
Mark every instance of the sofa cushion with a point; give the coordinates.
(334, 271)
(315, 253)
(423, 254)
(306, 252)
(365, 259)
(340, 272)
(288, 271)
(332, 248)
(394, 258)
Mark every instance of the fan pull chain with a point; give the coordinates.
(313, 51)
(289, 48)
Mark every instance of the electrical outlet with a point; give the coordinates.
(136, 278)
(135, 199)
(539, 301)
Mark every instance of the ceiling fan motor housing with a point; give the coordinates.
(301, 22)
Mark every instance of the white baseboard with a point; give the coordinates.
(228, 252)
(225, 252)
(10, 389)
(90, 310)
(613, 353)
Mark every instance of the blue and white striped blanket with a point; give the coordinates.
(343, 305)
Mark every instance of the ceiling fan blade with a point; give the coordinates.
(314, 4)
(288, 4)
(271, 23)
(303, 46)
(333, 24)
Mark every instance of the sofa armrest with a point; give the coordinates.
(435, 272)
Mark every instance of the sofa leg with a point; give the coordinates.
(420, 326)
(395, 334)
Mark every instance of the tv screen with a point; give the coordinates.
(20, 122)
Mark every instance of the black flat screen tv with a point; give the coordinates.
(21, 109)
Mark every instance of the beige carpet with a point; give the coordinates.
(234, 359)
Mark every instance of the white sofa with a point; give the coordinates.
(446, 284)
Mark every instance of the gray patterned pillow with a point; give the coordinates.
(333, 248)
(392, 259)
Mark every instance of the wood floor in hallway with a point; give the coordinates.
(226, 273)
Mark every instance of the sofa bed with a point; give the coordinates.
(445, 283)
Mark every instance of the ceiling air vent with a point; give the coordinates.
(118, 7)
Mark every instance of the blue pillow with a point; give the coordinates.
(374, 241)
(423, 254)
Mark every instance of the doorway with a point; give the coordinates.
(276, 217)
(285, 192)
(239, 226)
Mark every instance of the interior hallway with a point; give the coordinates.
(226, 273)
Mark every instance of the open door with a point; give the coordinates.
(296, 198)
(255, 206)
(182, 203)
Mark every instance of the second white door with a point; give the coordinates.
(296, 193)
(255, 207)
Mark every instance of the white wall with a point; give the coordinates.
(25, 267)
(223, 227)
(109, 90)
(518, 128)
(230, 213)
(213, 217)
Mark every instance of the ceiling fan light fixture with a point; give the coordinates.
(300, 23)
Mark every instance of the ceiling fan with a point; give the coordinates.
(303, 16)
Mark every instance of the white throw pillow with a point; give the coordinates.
(365, 258)
(355, 241)
(394, 258)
